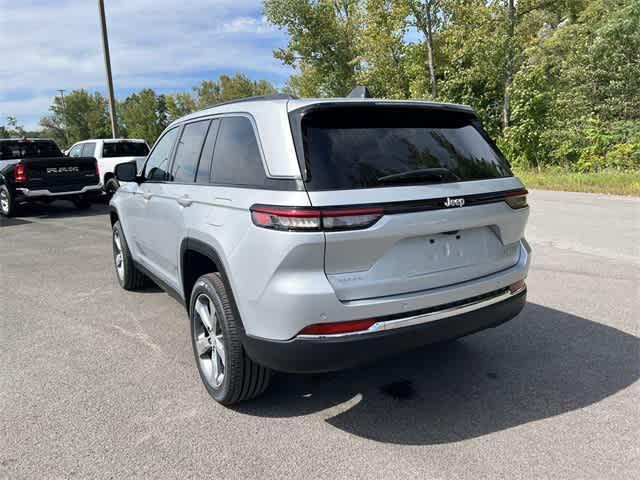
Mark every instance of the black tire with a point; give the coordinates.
(7, 202)
(129, 277)
(243, 378)
(81, 202)
(111, 185)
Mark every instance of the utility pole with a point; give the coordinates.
(64, 114)
(64, 107)
(107, 66)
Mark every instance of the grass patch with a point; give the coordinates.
(612, 182)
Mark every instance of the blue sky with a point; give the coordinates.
(168, 45)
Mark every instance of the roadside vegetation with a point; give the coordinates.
(556, 83)
(609, 181)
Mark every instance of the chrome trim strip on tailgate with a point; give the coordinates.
(48, 193)
(425, 317)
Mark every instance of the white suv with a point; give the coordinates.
(109, 153)
(311, 235)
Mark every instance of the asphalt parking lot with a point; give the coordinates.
(96, 382)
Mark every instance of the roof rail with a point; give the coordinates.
(257, 98)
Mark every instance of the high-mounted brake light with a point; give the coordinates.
(314, 219)
(337, 327)
(20, 172)
(517, 200)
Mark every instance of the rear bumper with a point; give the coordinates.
(306, 354)
(27, 194)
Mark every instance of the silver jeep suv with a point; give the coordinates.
(310, 235)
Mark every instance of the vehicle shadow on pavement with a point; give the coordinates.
(541, 364)
(61, 209)
(10, 222)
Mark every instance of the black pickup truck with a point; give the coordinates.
(34, 169)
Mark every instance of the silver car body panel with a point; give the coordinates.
(283, 281)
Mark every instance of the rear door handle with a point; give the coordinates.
(185, 200)
(147, 195)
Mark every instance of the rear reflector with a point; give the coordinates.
(517, 200)
(519, 285)
(314, 219)
(337, 327)
(20, 172)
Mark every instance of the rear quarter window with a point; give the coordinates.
(236, 157)
(351, 148)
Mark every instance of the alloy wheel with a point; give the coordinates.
(4, 201)
(117, 254)
(209, 341)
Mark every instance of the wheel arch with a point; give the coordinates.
(198, 258)
(113, 215)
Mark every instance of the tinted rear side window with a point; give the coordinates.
(236, 159)
(350, 148)
(124, 149)
(188, 150)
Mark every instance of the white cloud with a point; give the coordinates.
(154, 43)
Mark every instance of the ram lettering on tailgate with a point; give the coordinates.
(54, 170)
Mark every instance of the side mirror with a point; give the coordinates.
(127, 172)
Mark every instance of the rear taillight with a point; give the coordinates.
(20, 172)
(95, 165)
(314, 219)
(336, 328)
(282, 218)
(517, 200)
(352, 218)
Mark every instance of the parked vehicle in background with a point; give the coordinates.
(34, 169)
(314, 235)
(109, 153)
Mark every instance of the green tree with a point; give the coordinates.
(428, 16)
(383, 49)
(81, 115)
(12, 128)
(575, 99)
(226, 88)
(179, 104)
(323, 43)
(144, 115)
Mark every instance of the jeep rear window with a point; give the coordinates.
(354, 147)
(125, 149)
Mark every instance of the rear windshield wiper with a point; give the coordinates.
(423, 174)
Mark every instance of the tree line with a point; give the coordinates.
(555, 82)
(144, 114)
